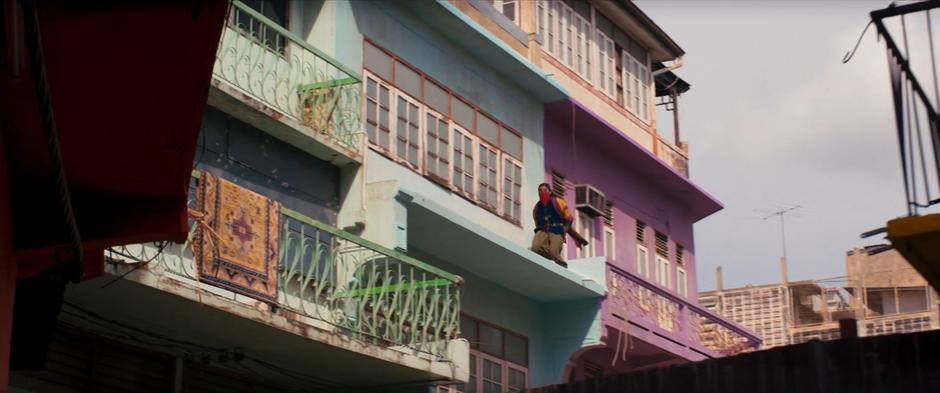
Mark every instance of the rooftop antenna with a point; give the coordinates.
(783, 237)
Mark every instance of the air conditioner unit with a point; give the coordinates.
(590, 200)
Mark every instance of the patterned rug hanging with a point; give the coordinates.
(237, 238)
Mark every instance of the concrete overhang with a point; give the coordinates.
(452, 23)
(634, 157)
(152, 302)
(443, 233)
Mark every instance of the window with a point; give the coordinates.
(682, 285)
(662, 245)
(636, 79)
(487, 182)
(378, 112)
(509, 8)
(680, 255)
(609, 243)
(421, 124)
(512, 189)
(436, 161)
(463, 161)
(408, 130)
(663, 271)
(275, 11)
(586, 229)
(583, 39)
(583, 49)
(642, 261)
(605, 64)
(498, 358)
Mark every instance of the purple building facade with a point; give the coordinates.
(650, 315)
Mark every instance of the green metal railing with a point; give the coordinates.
(283, 71)
(363, 289)
(384, 295)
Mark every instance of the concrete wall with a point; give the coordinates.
(255, 160)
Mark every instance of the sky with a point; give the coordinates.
(774, 119)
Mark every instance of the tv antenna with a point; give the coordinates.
(783, 235)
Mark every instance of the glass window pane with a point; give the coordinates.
(491, 340)
(436, 97)
(462, 114)
(516, 379)
(468, 330)
(488, 130)
(377, 61)
(408, 80)
(517, 350)
(511, 144)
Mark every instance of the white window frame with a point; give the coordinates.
(515, 200)
(642, 261)
(635, 76)
(586, 227)
(427, 152)
(464, 134)
(495, 188)
(604, 64)
(477, 357)
(682, 282)
(419, 136)
(499, 4)
(584, 50)
(663, 267)
(610, 243)
(391, 111)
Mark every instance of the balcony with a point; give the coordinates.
(338, 295)
(280, 75)
(690, 329)
(677, 156)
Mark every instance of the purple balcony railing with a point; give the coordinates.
(642, 299)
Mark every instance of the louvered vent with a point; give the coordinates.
(640, 232)
(679, 251)
(662, 245)
(609, 213)
(559, 185)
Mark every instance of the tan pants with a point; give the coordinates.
(548, 245)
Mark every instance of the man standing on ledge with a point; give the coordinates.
(552, 221)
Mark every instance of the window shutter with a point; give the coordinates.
(609, 213)
(640, 232)
(662, 245)
(559, 186)
(679, 251)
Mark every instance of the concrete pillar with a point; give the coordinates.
(783, 271)
(719, 284)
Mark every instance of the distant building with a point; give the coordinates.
(882, 292)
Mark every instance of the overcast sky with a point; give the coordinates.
(774, 119)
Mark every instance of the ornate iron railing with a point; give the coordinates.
(647, 301)
(281, 70)
(365, 290)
